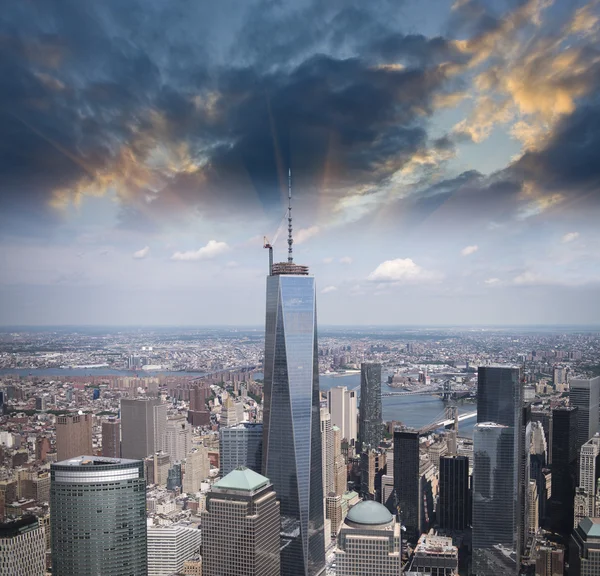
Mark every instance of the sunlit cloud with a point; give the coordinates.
(304, 234)
(569, 237)
(211, 250)
(492, 281)
(328, 260)
(346, 260)
(329, 289)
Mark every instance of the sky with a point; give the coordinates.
(445, 159)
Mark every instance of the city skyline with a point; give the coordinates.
(441, 156)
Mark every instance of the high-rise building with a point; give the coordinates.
(369, 543)
(22, 548)
(197, 469)
(407, 481)
(501, 465)
(372, 468)
(240, 527)
(495, 512)
(291, 427)
(564, 468)
(73, 435)
(143, 425)
(232, 412)
(585, 394)
(435, 555)
(370, 425)
(169, 547)
(340, 475)
(534, 509)
(334, 513)
(550, 560)
(111, 438)
(327, 453)
(344, 412)
(586, 494)
(584, 548)
(453, 508)
(175, 477)
(524, 475)
(241, 445)
(98, 519)
(178, 441)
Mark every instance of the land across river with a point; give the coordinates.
(416, 411)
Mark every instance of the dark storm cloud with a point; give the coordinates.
(119, 80)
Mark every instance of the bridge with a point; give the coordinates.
(425, 391)
(447, 422)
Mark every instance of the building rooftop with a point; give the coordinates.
(95, 461)
(242, 478)
(590, 527)
(369, 513)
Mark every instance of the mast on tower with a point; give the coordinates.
(290, 239)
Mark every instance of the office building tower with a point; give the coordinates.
(334, 513)
(407, 481)
(435, 555)
(157, 468)
(388, 496)
(23, 548)
(232, 412)
(533, 511)
(340, 475)
(169, 547)
(564, 469)
(495, 511)
(584, 393)
(550, 560)
(524, 475)
(454, 503)
(372, 468)
(544, 418)
(143, 425)
(369, 542)
(370, 425)
(241, 445)
(327, 452)
(241, 509)
(344, 412)
(73, 435)
(584, 548)
(175, 477)
(198, 414)
(291, 428)
(178, 440)
(111, 438)
(197, 469)
(98, 519)
(500, 402)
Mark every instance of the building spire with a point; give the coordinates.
(290, 239)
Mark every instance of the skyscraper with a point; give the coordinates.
(73, 435)
(23, 547)
(170, 546)
(498, 467)
(585, 394)
(178, 441)
(407, 481)
(197, 469)
(291, 428)
(344, 413)
(453, 509)
(240, 527)
(143, 425)
(111, 438)
(584, 556)
(339, 465)
(327, 452)
(564, 468)
(98, 520)
(240, 445)
(370, 425)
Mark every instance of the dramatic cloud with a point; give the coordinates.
(569, 237)
(140, 254)
(329, 289)
(401, 271)
(468, 250)
(304, 234)
(212, 249)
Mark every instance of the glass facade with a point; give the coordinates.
(291, 423)
(98, 517)
(370, 426)
(407, 481)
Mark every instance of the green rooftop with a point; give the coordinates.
(335, 428)
(591, 527)
(242, 478)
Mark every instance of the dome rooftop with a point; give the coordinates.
(369, 513)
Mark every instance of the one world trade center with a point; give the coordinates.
(291, 427)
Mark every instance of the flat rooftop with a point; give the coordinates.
(81, 461)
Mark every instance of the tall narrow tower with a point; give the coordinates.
(291, 420)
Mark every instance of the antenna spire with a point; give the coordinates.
(290, 239)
